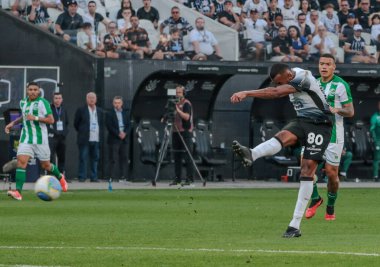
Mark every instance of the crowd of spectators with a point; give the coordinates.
(285, 30)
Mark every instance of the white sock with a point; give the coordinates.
(268, 148)
(304, 194)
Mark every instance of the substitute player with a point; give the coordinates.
(312, 128)
(338, 96)
(36, 113)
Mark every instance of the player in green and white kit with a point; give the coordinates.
(338, 96)
(36, 113)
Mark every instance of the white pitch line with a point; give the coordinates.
(207, 250)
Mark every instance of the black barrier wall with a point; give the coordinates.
(31, 47)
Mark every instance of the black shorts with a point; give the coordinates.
(313, 135)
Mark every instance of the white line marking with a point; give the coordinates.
(207, 250)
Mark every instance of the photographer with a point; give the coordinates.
(183, 126)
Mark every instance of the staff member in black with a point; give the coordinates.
(183, 125)
(117, 123)
(58, 132)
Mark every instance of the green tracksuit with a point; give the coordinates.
(375, 133)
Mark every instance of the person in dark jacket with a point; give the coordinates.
(89, 123)
(117, 123)
(58, 132)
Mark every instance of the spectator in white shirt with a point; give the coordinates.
(290, 12)
(331, 20)
(256, 29)
(314, 22)
(259, 5)
(321, 44)
(203, 43)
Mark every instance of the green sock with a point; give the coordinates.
(20, 178)
(54, 170)
(331, 197)
(315, 194)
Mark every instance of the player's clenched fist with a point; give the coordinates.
(238, 97)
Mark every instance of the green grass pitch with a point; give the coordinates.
(195, 227)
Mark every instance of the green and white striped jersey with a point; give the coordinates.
(34, 132)
(338, 93)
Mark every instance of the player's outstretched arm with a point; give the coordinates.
(265, 93)
(9, 126)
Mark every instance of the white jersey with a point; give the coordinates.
(309, 101)
(34, 132)
(338, 93)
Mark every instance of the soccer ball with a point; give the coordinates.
(47, 188)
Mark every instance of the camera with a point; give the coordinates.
(170, 106)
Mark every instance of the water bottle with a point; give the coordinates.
(110, 185)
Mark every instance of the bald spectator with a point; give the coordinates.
(203, 43)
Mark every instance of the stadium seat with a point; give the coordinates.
(112, 13)
(367, 37)
(147, 137)
(203, 150)
(268, 130)
(361, 143)
(111, 4)
(54, 13)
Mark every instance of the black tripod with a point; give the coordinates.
(163, 150)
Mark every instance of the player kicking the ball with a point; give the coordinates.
(338, 94)
(311, 128)
(36, 113)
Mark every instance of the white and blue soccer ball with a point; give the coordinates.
(47, 188)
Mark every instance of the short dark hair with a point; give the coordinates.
(278, 15)
(86, 25)
(276, 69)
(118, 97)
(300, 14)
(91, 2)
(328, 55)
(57, 93)
(32, 83)
(174, 30)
